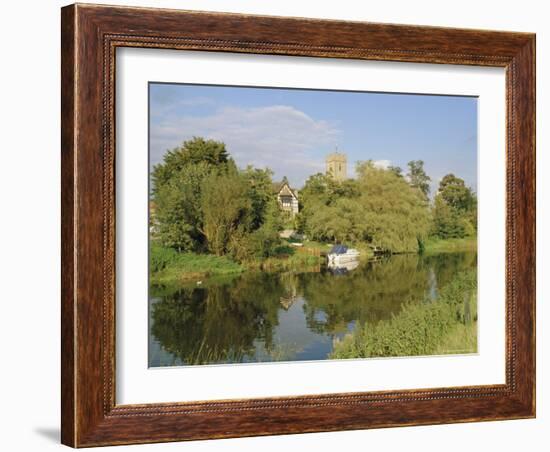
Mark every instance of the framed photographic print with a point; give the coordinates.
(281, 225)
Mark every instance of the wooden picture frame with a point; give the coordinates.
(90, 36)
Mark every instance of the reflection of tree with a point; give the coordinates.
(447, 265)
(224, 321)
(290, 284)
(219, 323)
(376, 290)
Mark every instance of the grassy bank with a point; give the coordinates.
(446, 325)
(434, 245)
(461, 339)
(169, 266)
(297, 261)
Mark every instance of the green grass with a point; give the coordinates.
(460, 339)
(428, 327)
(316, 245)
(168, 266)
(435, 245)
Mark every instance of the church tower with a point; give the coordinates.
(337, 166)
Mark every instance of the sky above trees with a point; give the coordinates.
(291, 131)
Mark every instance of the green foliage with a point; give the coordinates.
(191, 152)
(418, 177)
(176, 188)
(416, 331)
(419, 328)
(396, 170)
(205, 204)
(437, 245)
(379, 207)
(454, 209)
(454, 192)
(167, 266)
(261, 242)
(178, 208)
(259, 193)
(160, 258)
(219, 323)
(224, 207)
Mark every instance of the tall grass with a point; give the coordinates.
(167, 265)
(420, 328)
(435, 245)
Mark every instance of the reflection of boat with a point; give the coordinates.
(343, 268)
(341, 254)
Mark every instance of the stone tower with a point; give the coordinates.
(337, 166)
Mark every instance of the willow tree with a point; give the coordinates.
(224, 205)
(378, 207)
(396, 214)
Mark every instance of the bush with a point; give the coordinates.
(160, 258)
(418, 329)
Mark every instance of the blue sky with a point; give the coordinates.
(291, 131)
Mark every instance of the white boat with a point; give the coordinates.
(341, 254)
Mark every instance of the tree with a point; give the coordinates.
(224, 204)
(378, 207)
(396, 215)
(260, 194)
(447, 221)
(455, 209)
(396, 170)
(178, 208)
(191, 152)
(418, 177)
(456, 194)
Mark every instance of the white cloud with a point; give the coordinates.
(280, 137)
(382, 164)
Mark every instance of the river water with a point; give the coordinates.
(260, 317)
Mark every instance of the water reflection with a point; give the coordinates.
(287, 316)
(342, 268)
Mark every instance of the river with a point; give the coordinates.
(261, 317)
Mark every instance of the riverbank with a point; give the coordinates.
(167, 266)
(170, 267)
(434, 245)
(442, 326)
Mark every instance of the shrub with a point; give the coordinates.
(160, 258)
(418, 329)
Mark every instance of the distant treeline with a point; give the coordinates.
(203, 203)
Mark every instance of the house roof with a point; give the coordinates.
(278, 187)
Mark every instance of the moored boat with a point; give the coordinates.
(341, 254)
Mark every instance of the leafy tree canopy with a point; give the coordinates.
(418, 177)
(378, 207)
(455, 193)
(455, 209)
(194, 151)
(204, 203)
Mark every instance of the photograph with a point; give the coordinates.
(304, 224)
